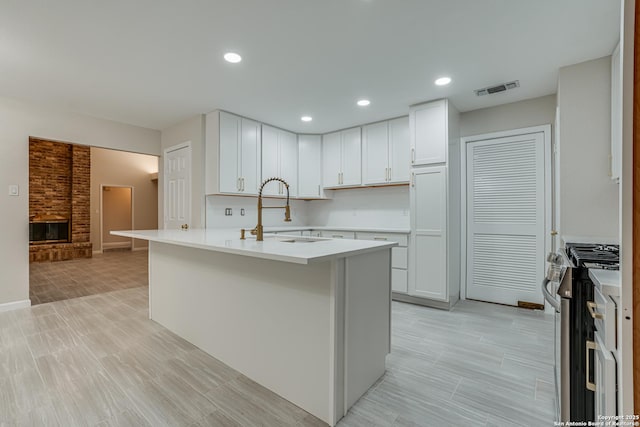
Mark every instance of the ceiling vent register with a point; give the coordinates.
(498, 88)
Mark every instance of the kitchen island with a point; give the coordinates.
(308, 319)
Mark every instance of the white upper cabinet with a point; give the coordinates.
(232, 151)
(428, 127)
(309, 166)
(616, 114)
(331, 159)
(385, 152)
(351, 157)
(341, 158)
(250, 153)
(399, 142)
(375, 153)
(279, 159)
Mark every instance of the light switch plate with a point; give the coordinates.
(14, 190)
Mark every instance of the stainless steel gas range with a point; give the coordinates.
(583, 362)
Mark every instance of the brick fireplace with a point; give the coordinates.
(59, 197)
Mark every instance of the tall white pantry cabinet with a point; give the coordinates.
(434, 260)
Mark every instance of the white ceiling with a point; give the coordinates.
(154, 63)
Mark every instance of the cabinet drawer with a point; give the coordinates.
(399, 258)
(399, 282)
(333, 234)
(400, 239)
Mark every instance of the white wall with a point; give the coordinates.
(588, 196)
(270, 217)
(364, 207)
(18, 121)
(531, 112)
(191, 130)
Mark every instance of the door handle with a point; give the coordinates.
(591, 306)
(590, 346)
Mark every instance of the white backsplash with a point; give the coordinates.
(386, 207)
(216, 218)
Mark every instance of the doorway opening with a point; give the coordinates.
(116, 213)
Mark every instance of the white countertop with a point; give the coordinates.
(607, 280)
(339, 228)
(228, 241)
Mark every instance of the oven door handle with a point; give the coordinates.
(548, 296)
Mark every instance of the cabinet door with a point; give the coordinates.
(399, 150)
(429, 133)
(375, 153)
(229, 163)
(270, 159)
(351, 157)
(399, 280)
(309, 165)
(428, 269)
(289, 162)
(250, 156)
(331, 164)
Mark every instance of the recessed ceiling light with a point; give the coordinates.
(364, 102)
(306, 118)
(232, 57)
(443, 81)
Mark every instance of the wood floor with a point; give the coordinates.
(99, 361)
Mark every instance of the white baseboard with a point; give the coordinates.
(97, 252)
(145, 248)
(15, 305)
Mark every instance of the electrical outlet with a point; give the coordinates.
(14, 190)
(228, 212)
(241, 211)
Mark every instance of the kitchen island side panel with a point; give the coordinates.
(270, 320)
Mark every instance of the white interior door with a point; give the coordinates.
(177, 186)
(506, 218)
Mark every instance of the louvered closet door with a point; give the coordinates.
(505, 219)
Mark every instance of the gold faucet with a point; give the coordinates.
(258, 231)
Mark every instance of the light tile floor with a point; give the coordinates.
(99, 361)
(110, 271)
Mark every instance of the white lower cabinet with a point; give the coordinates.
(399, 257)
(336, 234)
(428, 195)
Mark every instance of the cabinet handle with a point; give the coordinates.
(242, 184)
(337, 236)
(389, 174)
(413, 155)
(238, 184)
(591, 306)
(590, 345)
(318, 190)
(379, 238)
(413, 179)
(386, 174)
